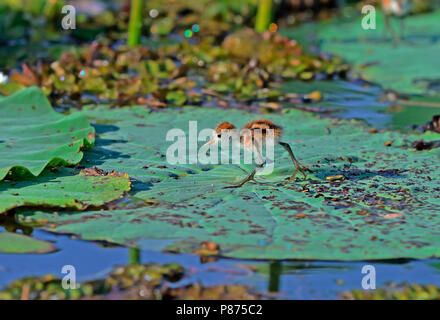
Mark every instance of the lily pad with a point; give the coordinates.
(34, 136)
(18, 243)
(385, 207)
(399, 66)
(63, 189)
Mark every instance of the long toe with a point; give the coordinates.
(233, 186)
(288, 181)
(259, 183)
(304, 171)
(237, 184)
(242, 183)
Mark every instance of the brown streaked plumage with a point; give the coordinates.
(224, 126)
(263, 125)
(251, 136)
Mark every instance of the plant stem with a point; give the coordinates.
(264, 15)
(135, 256)
(275, 271)
(135, 25)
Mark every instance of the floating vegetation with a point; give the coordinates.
(245, 66)
(393, 291)
(150, 282)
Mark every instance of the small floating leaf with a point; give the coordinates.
(18, 243)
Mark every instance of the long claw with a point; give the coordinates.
(240, 184)
(243, 182)
(304, 170)
(235, 185)
(250, 177)
(301, 168)
(298, 166)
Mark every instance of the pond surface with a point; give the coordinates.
(365, 101)
(285, 280)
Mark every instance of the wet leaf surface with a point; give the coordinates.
(63, 188)
(33, 136)
(18, 243)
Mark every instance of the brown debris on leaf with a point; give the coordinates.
(338, 177)
(425, 145)
(314, 96)
(151, 102)
(28, 76)
(91, 135)
(208, 248)
(97, 172)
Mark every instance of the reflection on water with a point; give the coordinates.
(134, 256)
(275, 271)
(7, 221)
(362, 100)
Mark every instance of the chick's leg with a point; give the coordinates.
(255, 146)
(298, 166)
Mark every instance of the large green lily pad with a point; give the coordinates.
(34, 136)
(387, 207)
(64, 188)
(18, 243)
(406, 66)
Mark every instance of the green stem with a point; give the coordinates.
(264, 15)
(135, 25)
(275, 270)
(135, 256)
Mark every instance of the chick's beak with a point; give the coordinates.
(209, 142)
